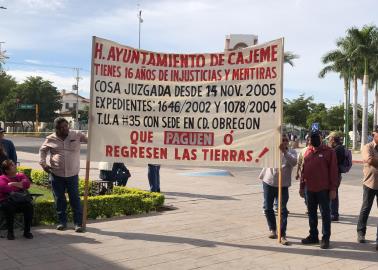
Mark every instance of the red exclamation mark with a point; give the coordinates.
(263, 152)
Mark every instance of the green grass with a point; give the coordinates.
(47, 193)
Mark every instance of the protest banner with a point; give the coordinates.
(210, 109)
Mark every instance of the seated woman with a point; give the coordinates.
(11, 181)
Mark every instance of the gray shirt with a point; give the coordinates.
(270, 175)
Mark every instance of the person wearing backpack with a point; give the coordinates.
(334, 142)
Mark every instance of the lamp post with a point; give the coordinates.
(346, 128)
(140, 20)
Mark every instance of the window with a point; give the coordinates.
(67, 106)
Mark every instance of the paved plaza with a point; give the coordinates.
(215, 221)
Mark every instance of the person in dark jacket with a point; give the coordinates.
(334, 141)
(3, 157)
(320, 177)
(8, 147)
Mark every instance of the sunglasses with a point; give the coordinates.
(285, 140)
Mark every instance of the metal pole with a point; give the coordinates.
(140, 23)
(77, 97)
(36, 117)
(347, 108)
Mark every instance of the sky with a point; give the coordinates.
(49, 37)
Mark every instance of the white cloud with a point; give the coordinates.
(39, 5)
(58, 80)
(61, 30)
(32, 61)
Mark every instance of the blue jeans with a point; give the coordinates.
(59, 186)
(154, 177)
(321, 199)
(270, 193)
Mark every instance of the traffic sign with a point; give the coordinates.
(26, 106)
(315, 127)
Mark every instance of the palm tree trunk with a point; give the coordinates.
(364, 110)
(355, 97)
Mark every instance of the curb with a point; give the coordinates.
(357, 161)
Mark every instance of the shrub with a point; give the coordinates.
(123, 201)
(25, 170)
(105, 206)
(82, 186)
(40, 177)
(158, 198)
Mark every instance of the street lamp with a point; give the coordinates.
(346, 129)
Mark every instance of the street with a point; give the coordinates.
(31, 145)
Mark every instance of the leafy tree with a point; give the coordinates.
(83, 114)
(297, 110)
(7, 82)
(35, 90)
(318, 114)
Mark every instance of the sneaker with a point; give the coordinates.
(273, 234)
(10, 236)
(61, 227)
(79, 229)
(334, 218)
(324, 244)
(284, 241)
(361, 238)
(309, 240)
(28, 235)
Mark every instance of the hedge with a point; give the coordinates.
(158, 198)
(25, 170)
(105, 206)
(123, 201)
(41, 178)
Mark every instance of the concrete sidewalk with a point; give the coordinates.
(217, 224)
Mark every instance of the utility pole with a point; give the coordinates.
(140, 20)
(76, 87)
(36, 117)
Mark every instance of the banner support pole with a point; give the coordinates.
(280, 155)
(88, 162)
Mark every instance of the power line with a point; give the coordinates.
(44, 65)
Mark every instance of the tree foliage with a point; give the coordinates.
(34, 90)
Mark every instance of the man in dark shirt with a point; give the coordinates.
(334, 142)
(8, 146)
(320, 177)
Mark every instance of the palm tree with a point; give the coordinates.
(373, 82)
(339, 62)
(289, 57)
(355, 72)
(364, 46)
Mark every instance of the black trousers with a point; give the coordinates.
(321, 199)
(367, 203)
(10, 209)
